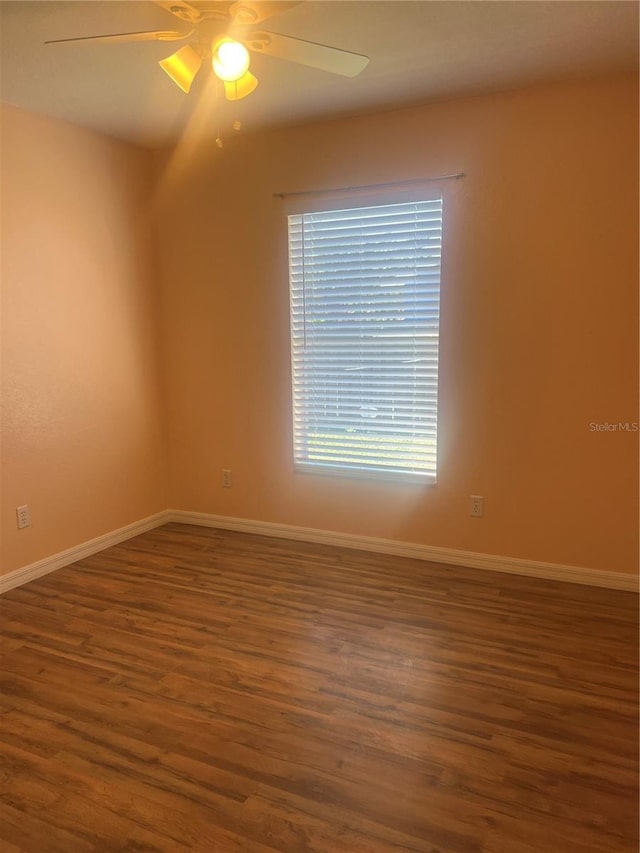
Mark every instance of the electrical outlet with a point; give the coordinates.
(226, 478)
(476, 506)
(23, 516)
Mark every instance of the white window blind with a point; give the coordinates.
(364, 295)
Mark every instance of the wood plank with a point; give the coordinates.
(197, 689)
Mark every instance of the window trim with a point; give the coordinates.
(335, 200)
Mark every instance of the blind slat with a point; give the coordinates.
(364, 298)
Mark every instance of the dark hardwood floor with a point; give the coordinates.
(196, 689)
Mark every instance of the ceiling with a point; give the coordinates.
(419, 51)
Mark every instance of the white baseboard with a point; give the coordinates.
(78, 552)
(449, 556)
(433, 554)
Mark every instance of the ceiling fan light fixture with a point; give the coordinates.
(234, 90)
(182, 66)
(230, 60)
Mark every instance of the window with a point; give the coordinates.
(364, 295)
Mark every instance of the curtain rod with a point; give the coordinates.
(455, 176)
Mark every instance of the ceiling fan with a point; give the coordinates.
(225, 32)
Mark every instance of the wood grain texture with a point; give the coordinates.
(198, 689)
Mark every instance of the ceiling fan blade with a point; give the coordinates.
(254, 11)
(236, 89)
(310, 53)
(182, 66)
(184, 11)
(127, 37)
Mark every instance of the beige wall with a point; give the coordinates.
(539, 323)
(539, 327)
(81, 405)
